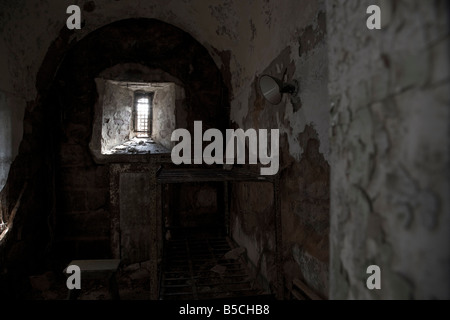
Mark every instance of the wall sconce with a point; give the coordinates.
(272, 88)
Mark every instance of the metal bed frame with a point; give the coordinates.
(185, 271)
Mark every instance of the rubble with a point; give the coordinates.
(138, 146)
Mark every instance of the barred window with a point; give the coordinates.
(143, 114)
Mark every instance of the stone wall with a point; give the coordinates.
(390, 149)
(165, 102)
(117, 113)
(116, 108)
(169, 105)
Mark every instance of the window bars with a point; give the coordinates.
(143, 114)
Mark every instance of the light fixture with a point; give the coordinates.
(273, 88)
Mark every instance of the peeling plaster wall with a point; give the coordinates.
(218, 25)
(165, 102)
(117, 111)
(66, 205)
(245, 39)
(390, 150)
(168, 114)
(389, 157)
(303, 120)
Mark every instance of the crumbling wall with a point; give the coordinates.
(390, 149)
(165, 103)
(117, 106)
(76, 86)
(244, 39)
(117, 112)
(169, 105)
(303, 121)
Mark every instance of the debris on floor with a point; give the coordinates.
(138, 146)
(204, 268)
(133, 282)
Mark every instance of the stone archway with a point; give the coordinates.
(64, 208)
(82, 186)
